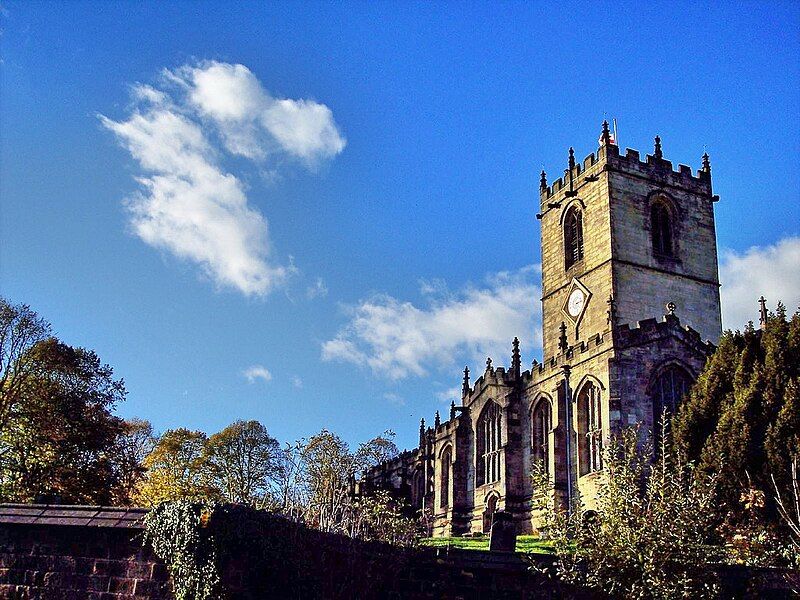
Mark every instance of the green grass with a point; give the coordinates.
(525, 543)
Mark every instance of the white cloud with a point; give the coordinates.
(251, 121)
(395, 399)
(256, 372)
(449, 395)
(398, 339)
(297, 382)
(317, 290)
(773, 271)
(188, 204)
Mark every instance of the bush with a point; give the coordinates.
(649, 534)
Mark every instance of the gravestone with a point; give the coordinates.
(503, 534)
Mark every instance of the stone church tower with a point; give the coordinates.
(630, 291)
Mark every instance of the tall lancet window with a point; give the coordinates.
(540, 433)
(444, 478)
(668, 390)
(573, 237)
(661, 226)
(488, 444)
(590, 429)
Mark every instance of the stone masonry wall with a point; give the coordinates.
(77, 553)
(91, 553)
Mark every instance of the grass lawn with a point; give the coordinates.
(525, 543)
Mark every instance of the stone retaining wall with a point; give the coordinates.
(72, 553)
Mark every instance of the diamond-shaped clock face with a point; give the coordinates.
(576, 301)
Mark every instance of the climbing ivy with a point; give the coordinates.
(179, 535)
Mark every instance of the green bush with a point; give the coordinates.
(649, 534)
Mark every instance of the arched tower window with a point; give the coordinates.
(488, 447)
(590, 429)
(668, 390)
(540, 433)
(444, 477)
(573, 237)
(661, 229)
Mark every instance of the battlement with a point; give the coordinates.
(608, 157)
(650, 330)
(540, 370)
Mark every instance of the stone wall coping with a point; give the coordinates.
(73, 515)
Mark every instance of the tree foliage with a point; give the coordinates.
(242, 459)
(177, 469)
(133, 445)
(57, 430)
(741, 421)
(330, 468)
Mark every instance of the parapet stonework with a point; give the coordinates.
(630, 314)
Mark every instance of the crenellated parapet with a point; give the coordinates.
(608, 157)
(649, 331)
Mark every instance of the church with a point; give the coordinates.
(630, 312)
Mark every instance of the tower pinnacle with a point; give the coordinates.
(605, 137)
(516, 363)
(762, 302)
(562, 339)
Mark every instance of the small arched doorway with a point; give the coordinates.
(488, 513)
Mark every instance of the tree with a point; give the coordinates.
(20, 330)
(242, 459)
(330, 469)
(741, 420)
(177, 469)
(289, 490)
(59, 433)
(133, 446)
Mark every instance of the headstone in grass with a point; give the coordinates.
(503, 534)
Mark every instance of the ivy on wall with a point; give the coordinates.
(180, 536)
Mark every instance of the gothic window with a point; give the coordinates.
(444, 478)
(668, 390)
(418, 488)
(488, 447)
(540, 433)
(661, 229)
(590, 429)
(573, 237)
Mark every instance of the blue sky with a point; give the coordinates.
(315, 214)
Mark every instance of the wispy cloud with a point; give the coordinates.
(395, 399)
(188, 204)
(297, 382)
(773, 271)
(256, 372)
(449, 395)
(317, 290)
(397, 339)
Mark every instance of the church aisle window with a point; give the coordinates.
(590, 429)
(668, 390)
(489, 429)
(444, 479)
(540, 433)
